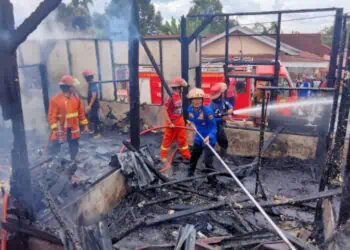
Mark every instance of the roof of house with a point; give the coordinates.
(264, 39)
(310, 42)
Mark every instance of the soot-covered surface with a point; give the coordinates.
(283, 177)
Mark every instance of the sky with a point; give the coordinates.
(176, 8)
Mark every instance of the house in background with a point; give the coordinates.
(300, 53)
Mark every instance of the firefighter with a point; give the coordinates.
(174, 118)
(66, 114)
(223, 110)
(203, 118)
(93, 103)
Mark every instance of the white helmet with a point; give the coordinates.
(195, 93)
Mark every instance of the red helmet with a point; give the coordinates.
(88, 72)
(68, 80)
(178, 82)
(215, 91)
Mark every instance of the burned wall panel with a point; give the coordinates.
(31, 52)
(172, 58)
(83, 57)
(57, 66)
(154, 47)
(106, 70)
(120, 52)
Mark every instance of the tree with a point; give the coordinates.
(327, 34)
(150, 20)
(265, 30)
(218, 24)
(75, 15)
(171, 27)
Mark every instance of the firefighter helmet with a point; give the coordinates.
(178, 82)
(88, 72)
(68, 80)
(215, 91)
(195, 93)
(223, 86)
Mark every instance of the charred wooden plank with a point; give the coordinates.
(30, 231)
(296, 200)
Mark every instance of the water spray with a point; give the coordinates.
(240, 184)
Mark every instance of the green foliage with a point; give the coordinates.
(327, 34)
(263, 29)
(171, 27)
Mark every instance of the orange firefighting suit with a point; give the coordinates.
(174, 109)
(65, 117)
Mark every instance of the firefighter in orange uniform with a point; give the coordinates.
(174, 118)
(66, 114)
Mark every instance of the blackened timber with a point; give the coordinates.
(344, 108)
(10, 98)
(257, 77)
(298, 200)
(267, 62)
(18, 227)
(155, 66)
(161, 61)
(99, 71)
(274, 12)
(110, 81)
(134, 76)
(31, 23)
(174, 197)
(331, 77)
(69, 56)
(111, 49)
(177, 215)
(202, 26)
(185, 64)
(277, 54)
(227, 41)
(45, 86)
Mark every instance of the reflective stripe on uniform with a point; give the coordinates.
(84, 122)
(164, 148)
(72, 115)
(183, 148)
(53, 126)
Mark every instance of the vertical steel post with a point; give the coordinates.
(227, 52)
(343, 107)
(184, 63)
(331, 78)
(111, 48)
(277, 54)
(261, 141)
(69, 56)
(45, 86)
(98, 61)
(344, 212)
(199, 68)
(161, 67)
(134, 88)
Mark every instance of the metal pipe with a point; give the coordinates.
(111, 81)
(111, 48)
(295, 88)
(98, 61)
(266, 62)
(227, 41)
(69, 57)
(261, 142)
(161, 67)
(236, 34)
(240, 184)
(29, 66)
(277, 54)
(134, 76)
(184, 63)
(266, 12)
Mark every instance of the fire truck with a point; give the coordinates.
(244, 86)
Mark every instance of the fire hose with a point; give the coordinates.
(168, 165)
(240, 184)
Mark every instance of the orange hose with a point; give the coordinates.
(4, 218)
(168, 165)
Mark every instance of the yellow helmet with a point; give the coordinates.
(195, 93)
